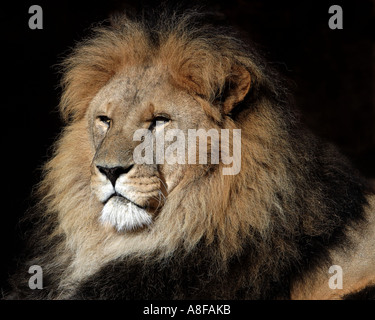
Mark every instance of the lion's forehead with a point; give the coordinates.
(134, 84)
(136, 88)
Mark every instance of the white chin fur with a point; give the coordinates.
(124, 215)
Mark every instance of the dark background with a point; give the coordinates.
(331, 73)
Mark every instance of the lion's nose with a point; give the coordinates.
(112, 173)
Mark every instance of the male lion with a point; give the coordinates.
(111, 228)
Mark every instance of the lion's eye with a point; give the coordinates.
(105, 120)
(159, 121)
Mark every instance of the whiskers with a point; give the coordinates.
(164, 186)
(160, 200)
(161, 197)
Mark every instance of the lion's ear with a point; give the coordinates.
(237, 86)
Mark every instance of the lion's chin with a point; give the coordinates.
(124, 215)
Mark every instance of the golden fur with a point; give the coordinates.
(215, 73)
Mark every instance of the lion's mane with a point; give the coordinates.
(244, 236)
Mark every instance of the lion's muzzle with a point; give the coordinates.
(126, 195)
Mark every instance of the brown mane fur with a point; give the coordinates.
(274, 211)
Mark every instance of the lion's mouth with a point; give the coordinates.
(120, 197)
(123, 214)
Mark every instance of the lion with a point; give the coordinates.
(107, 227)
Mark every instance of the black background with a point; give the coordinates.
(331, 73)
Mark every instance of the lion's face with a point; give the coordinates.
(132, 193)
